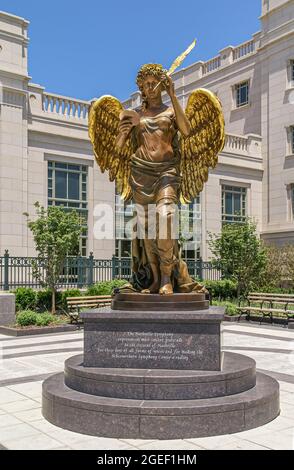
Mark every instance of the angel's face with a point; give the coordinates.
(149, 90)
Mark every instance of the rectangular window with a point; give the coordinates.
(242, 94)
(292, 139)
(233, 204)
(67, 187)
(292, 71)
(290, 197)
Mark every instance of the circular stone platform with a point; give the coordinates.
(237, 375)
(159, 419)
(192, 301)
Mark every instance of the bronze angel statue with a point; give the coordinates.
(158, 155)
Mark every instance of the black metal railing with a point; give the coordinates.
(17, 271)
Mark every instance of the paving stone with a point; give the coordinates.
(241, 445)
(9, 420)
(101, 444)
(20, 405)
(31, 389)
(36, 442)
(210, 443)
(16, 431)
(8, 396)
(173, 444)
(29, 415)
(278, 440)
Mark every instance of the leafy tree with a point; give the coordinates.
(240, 252)
(288, 262)
(56, 233)
(275, 269)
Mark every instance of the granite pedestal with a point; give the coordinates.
(158, 375)
(7, 309)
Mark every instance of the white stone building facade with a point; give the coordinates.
(46, 155)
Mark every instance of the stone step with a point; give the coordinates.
(192, 296)
(159, 419)
(156, 306)
(237, 375)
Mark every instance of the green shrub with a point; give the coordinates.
(25, 298)
(44, 319)
(27, 317)
(231, 310)
(230, 307)
(222, 290)
(69, 293)
(105, 288)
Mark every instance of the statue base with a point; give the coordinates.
(192, 301)
(147, 375)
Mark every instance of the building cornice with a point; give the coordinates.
(17, 19)
(13, 89)
(242, 171)
(12, 74)
(274, 9)
(278, 231)
(55, 122)
(275, 40)
(14, 37)
(235, 156)
(65, 158)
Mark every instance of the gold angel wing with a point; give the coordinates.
(103, 131)
(199, 151)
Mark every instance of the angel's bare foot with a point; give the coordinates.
(166, 287)
(153, 289)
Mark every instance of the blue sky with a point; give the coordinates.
(86, 48)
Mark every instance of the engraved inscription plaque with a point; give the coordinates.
(143, 345)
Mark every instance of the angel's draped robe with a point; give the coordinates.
(155, 179)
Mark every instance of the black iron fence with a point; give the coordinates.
(17, 271)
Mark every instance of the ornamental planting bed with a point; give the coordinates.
(37, 330)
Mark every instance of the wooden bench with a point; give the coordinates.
(75, 304)
(268, 305)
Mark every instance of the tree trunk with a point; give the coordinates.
(238, 290)
(53, 308)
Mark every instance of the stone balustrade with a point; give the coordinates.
(227, 56)
(236, 143)
(243, 50)
(64, 106)
(249, 145)
(235, 53)
(211, 65)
